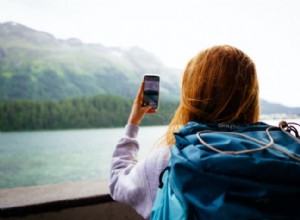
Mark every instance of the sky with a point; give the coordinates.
(176, 30)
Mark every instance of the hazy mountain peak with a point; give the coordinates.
(36, 65)
(74, 42)
(15, 31)
(10, 23)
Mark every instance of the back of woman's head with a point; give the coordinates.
(219, 85)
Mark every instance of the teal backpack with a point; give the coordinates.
(229, 171)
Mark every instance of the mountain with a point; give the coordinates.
(275, 108)
(36, 65)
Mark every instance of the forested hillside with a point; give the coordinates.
(96, 112)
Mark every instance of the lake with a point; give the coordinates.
(49, 157)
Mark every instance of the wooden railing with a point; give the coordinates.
(76, 201)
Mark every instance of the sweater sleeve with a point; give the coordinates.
(128, 181)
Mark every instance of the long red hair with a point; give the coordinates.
(218, 85)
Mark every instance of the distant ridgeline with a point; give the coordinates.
(41, 78)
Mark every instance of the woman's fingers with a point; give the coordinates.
(140, 93)
(150, 110)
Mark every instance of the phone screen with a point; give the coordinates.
(151, 91)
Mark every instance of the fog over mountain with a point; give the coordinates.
(36, 65)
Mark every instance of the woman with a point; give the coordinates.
(219, 85)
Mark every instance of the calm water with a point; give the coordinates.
(47, 157)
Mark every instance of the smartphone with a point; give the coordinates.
(151, 90)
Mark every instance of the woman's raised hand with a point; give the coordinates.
(138, 111)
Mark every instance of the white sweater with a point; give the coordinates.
(132, 181)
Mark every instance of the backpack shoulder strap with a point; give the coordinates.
(167, 204)
(161, 184)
